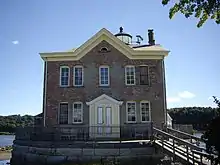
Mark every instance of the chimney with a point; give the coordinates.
(151, 40)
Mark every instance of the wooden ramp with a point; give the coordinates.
(180, 149)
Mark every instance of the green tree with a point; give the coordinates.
(201, 9)
(212, 135)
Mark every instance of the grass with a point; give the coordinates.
(6, 133)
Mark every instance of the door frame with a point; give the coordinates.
(107, 101)
(103, 125)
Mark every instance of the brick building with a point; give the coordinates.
(109, 82)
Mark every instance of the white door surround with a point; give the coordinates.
(104, 116)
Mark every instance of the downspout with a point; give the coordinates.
(45, 90)
(164, 92)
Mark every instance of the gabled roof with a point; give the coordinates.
(150, 52)
(104, 96)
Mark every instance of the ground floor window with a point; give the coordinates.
(77, 112)
(145, 111)
(63, 113)
(131, 112)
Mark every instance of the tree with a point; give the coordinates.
(212, 135)
(201, 9)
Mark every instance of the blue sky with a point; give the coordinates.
(29, 27)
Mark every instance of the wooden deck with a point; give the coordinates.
(181, 149)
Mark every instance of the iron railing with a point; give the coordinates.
(85, 133)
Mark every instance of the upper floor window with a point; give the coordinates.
(77, 112)
(104, 76)
(145, 111)
(131, 111)
(130, 75)
(64, 76)
(144, 75)
(63, 113)
(78, 76)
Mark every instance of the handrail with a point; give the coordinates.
(178, 139)
(190, 152)
(189, 156)
(209, 156)
(183, 133)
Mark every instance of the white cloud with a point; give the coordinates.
(15, 42)
(173, 99)
(186, 95)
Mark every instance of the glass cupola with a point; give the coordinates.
(125, 37)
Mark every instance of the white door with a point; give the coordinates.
(104, 120)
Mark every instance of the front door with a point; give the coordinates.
(104, 120)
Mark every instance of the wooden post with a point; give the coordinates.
(200, 158)
(187, 154)
(162, 143)
(173, 150)
(193, 158)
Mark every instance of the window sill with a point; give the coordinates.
(78, 86)
(130, 84)
(80, 123)
(64, 86)
(145, 122)
(104, 86)
(131, 122)
(71, 86)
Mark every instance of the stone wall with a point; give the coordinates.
(26, 154)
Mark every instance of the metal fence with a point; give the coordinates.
(85, 133)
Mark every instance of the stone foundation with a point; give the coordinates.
(22, 155)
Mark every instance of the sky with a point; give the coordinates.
(29, 27)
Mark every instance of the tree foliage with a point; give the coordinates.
(9, 123)
(201, 9)
(199, 117)
(212, 134)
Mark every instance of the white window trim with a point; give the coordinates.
(78, 66)
(101, 50)
(127, 112)
(104, 66)
(61, 67)
(144, 101)
(130, 66)
(81, 112)
(59, 113)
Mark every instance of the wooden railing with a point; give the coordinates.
(191, 138)
(84, 133)
(182, 149)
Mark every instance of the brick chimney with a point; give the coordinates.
(151, 40)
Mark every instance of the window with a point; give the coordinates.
(131, 112)
(64, 76)
(104, 76)
(104, 50)
(145, 111)
(130, 75)
(63, 115)
(77, 112)
(144, 79)
(78, 76)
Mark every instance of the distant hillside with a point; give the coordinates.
(9, 123)
(197, 116)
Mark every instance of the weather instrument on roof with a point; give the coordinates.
(139, 39)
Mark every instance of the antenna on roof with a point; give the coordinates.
(139, 39)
